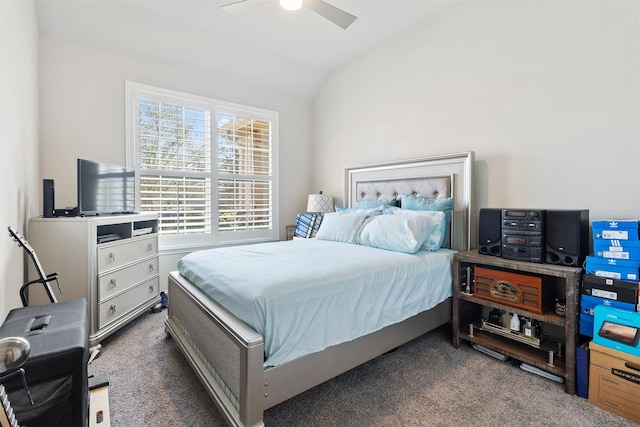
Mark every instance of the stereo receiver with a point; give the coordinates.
(523, 214)
(523, 220)
(535, 235)
(520, 239)
(523, 253)
(523, 234)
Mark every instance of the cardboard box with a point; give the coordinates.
(617, 329)
(614, 382)
(587, 311)
(613, 268)
(618, 249)
(615, 230)
(613, 289)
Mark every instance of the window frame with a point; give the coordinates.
(136, 91)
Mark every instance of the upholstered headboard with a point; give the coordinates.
(433, 177)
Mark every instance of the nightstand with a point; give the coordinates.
(290, 230)
(475, 310)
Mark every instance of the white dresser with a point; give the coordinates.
(111, 261)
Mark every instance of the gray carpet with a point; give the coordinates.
(426, 382)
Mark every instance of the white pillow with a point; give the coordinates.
(399, 233)
(434, 241)
(341, 226)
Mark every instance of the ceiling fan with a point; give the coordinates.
(338, 16)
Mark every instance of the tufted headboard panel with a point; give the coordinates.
(433, 177)
(431, 187)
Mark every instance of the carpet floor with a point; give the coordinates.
(426, 382)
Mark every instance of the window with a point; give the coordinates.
(206, 167)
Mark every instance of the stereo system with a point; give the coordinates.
(523, 234)
(535, 235)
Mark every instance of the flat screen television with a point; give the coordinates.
(105, 189)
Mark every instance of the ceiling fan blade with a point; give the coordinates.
(233, 5)
(337, 16)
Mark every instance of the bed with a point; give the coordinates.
(242, 370)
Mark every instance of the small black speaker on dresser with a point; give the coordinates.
(567, 236)
(48, 198)
(490, 232)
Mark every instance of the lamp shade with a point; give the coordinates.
(320, 203)
(291, 4)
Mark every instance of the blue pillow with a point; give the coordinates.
(436, 238)
(368, 204)
(424, 204)
(399, 233)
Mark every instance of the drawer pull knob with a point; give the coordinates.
(113, 283)
(150, 288)
(113, 308)
(150, 267)
(112, 257)
(150, 246)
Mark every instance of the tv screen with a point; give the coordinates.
(105, 189)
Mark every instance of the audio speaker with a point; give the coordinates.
(567, 237)
(490, 232)
(48, 198)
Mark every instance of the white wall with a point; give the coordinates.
(547, 94)
(83, 116)
(18, 139)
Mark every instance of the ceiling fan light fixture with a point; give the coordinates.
(291, 4)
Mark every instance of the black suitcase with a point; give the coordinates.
(56, 369)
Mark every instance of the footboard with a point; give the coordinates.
(226, 354)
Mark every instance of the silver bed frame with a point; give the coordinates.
(227, 355)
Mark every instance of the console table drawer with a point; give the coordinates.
(120, 305)
(118, 255)
(119, 280)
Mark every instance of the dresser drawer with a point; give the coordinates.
(116, 281)
(122, 253)
(120, 305)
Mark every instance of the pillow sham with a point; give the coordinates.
(341, 226)
(445, 205)
(435, 239)
(368, 204)
(399, 233)
(307, 225)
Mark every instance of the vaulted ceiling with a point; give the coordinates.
(258, 41)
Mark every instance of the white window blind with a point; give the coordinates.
(244, 171)
(205, 166)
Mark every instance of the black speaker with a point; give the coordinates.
(567, 236)
(48, 198)
(490, 232)
(56, 369)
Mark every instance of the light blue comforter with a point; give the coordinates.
(304, 295)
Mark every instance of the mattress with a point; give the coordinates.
(304, 295)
